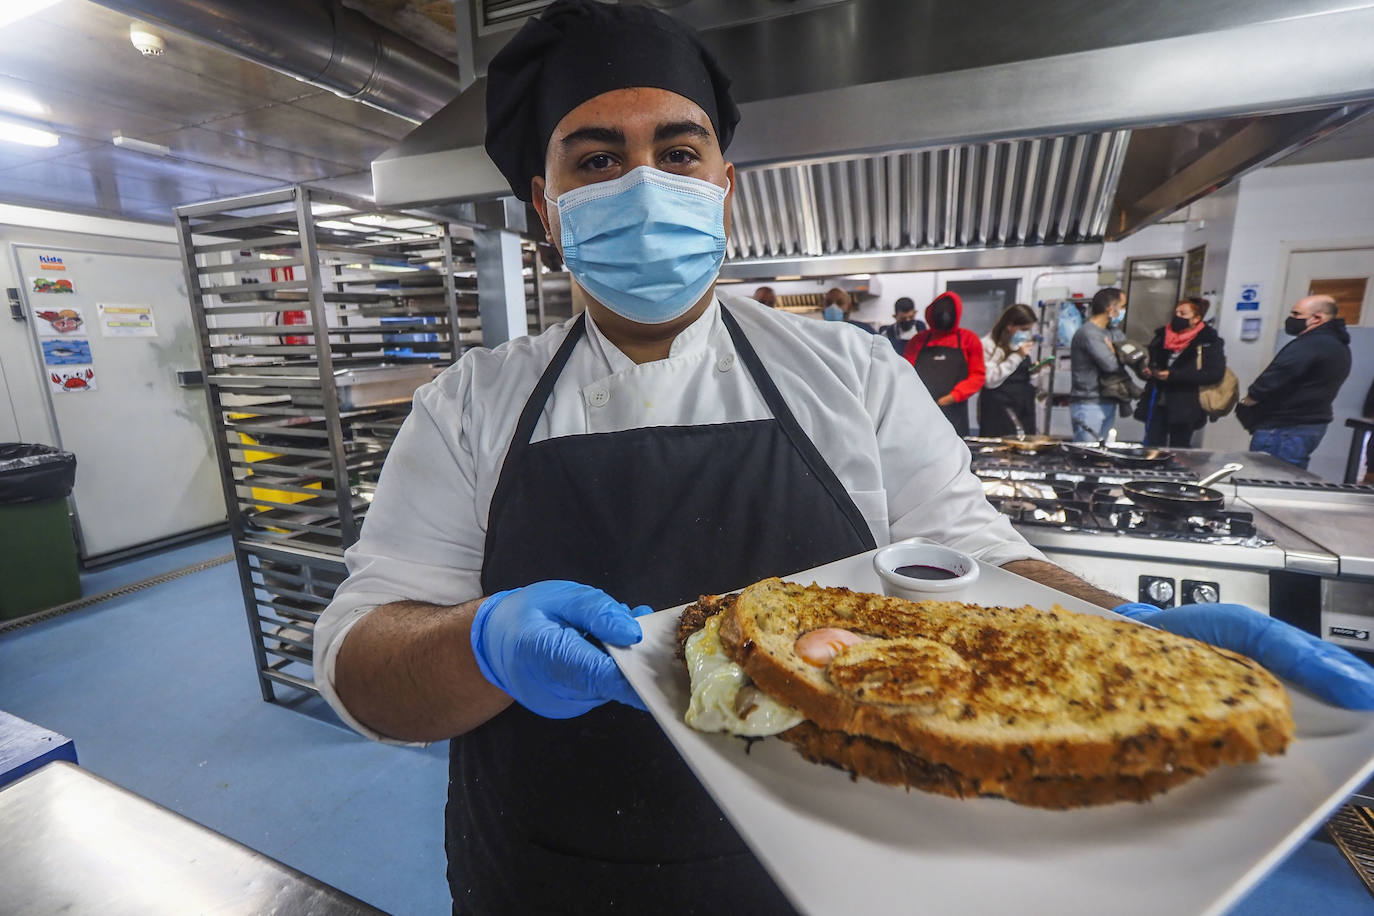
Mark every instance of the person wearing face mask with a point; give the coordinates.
(666, 442)
(1092, 356)
(1184, 355)
(839, 306)
(904, 324)
(949, 359)
(1288, 408)
(1007, 390)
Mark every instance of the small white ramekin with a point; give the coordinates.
(922, 553)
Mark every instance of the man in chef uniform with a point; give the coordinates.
(665, 444)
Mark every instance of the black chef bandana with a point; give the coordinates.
(577, 50)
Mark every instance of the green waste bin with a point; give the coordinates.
(38, 566)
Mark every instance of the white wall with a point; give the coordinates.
(23, 406)
(1280, 209)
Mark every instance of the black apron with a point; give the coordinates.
(598, 813)
(941, 368)
(1016, 393)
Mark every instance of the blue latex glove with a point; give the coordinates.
(532, 643)
(1313, 664)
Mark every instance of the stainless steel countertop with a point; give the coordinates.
(1258, 465)
(1341, 521)
(76, 844)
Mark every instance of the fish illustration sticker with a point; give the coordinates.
(58, 322)
(71, 379)
(66, 351)
(49, 285)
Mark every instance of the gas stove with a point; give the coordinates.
(1078, 515)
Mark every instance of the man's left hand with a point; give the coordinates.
(946, 400)
(1324, 668)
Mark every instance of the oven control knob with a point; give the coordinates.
(1161, 592)
(1203, 594)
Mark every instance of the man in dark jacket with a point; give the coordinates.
(904, 324)
(1185, 355)
(1288, 407)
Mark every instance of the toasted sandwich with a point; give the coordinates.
(1049, 708)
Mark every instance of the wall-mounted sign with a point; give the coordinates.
(1249, 298)
(51, 262)
(45, 285)
(126, 321)
(58, 322)
(71, 379)
(66, 351)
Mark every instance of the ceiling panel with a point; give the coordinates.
(309, 133)
(197, 144)
(82, 49)
(79, 192)
(12, 154)
(132, 165)
(108, 186)
(70, 113)
(351, 113)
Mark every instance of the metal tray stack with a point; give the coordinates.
(318, 317)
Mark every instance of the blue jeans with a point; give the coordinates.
(1294, 444)
(1091, 419)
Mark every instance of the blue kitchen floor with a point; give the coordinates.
(158, 691)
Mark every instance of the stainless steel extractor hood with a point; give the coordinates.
(900, 135)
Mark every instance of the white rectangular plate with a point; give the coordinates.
(835, 845)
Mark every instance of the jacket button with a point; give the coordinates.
(598, 396)
(726, 362)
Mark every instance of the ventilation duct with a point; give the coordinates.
(317, 41)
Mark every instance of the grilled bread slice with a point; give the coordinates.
(886, 763)
(1006, 696)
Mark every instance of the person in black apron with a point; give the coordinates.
(949, 359)
(1008, 398)
(598, 813)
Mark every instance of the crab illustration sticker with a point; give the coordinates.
(49, 285)
(68, 351)
(71, 379)
(59, 322)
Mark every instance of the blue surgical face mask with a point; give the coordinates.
(1117, 320)
(1020, 337)
(647, 245)
(833, 313)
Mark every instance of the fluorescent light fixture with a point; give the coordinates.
(21, 103)
(14, 10)
(140, 146)
(14, 132)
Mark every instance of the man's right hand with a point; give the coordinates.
(532, 643)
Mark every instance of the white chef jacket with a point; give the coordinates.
(859, 402)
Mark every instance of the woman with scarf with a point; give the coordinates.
(1185, 355)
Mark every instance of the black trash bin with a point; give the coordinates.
(37, 550)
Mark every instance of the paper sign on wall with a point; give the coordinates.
(126, 321)
(47, 285)
(1249, 298)
(70, 351)
(59, 322)
(51, 262)
(71, 379)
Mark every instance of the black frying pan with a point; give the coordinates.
(1177, 498)
(1116, 456)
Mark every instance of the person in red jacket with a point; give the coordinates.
(948, 358)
